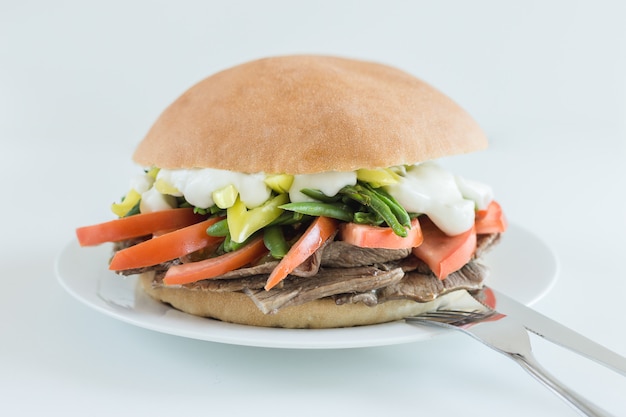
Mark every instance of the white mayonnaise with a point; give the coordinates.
(327, 182)
(198, 185)
(450, 201)
(152, 200)
(429, 189)
(141, 183)
(479, 193)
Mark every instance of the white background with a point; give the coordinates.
(81, 82)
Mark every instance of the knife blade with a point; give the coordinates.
(557, 333)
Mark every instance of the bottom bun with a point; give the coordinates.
(236, 307)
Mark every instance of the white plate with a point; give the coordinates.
(522, 266)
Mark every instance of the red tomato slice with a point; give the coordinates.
(367, 236)
(165, 247)
(491, 220)
(318, 232)
(137, 225)
(442, 253)
(212, 267)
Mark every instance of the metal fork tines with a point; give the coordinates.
(457, 318)
(507, 336)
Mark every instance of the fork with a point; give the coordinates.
(509, 337)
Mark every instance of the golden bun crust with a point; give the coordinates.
(236, 307)
(308, 114)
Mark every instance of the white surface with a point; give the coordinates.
(81, 84)
(83, 273)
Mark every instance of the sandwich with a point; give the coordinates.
(305, 192)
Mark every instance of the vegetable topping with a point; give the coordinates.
(362, 209)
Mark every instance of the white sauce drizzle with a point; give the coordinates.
(449, 200)
(198, 185)
(429, 189)
(327, 182)
(152, 200)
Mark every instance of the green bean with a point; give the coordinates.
(288, 218)
(214, 209)
(230, 245)
(275, 241)
(319, 196)
(181, 202)
(398, 211)
(387, 214)
(336, 211)
(367, 218)
(219, 229)
(378, 206)
(226, 244)
(351, 192)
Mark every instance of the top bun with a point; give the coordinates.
(308, 114)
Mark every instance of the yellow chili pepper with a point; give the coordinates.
(377, 177)
(279, 182)
(225, 197)
(242, 223)
(131, 199)
(166, 188)
(153, 172)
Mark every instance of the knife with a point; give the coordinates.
(557, 333)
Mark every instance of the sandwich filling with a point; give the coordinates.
(449, 200)
(382, 228)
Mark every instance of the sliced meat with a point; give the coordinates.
(162, 267)
(484, 243)
(348, 274)
(255, 282)
(369, 298)
(369, 285)
(261, 269)
(338, 254)
(311, 266)
(306, 269)
(217, 285)
(327, 282)
(426, 287)
(123, 244)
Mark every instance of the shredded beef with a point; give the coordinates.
(327, 282)
(485, 242)
(338, 254)
(426, 287)
(369, 298)
(162, 267)
(346, 273)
